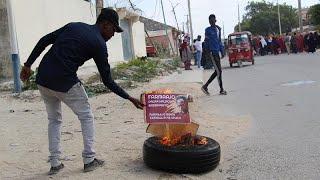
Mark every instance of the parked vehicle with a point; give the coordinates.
(240, 48)
(151, 51)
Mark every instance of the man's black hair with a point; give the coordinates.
(212, 16)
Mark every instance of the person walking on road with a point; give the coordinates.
(294, 43)
(57, 79)
(311, 42)
(186, 54)
(317, 39)
(198, 49)
(287, 42)
(213, 34)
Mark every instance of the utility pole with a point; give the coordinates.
(300, 16)
(239, 23)
(279, 17)
(223, 30)
(183, 27)
(14, 48)
(190, 20)
(166, 28)
(174, 13)
(99, 6)
(175, 17)
(188, 25)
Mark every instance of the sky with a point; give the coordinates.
(225, 11)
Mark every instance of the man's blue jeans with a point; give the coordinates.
(198, 58)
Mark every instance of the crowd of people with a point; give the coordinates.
(199, 51)
(290, 42)
(286, 43)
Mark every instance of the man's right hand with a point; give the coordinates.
(136, 103)
(25, 73)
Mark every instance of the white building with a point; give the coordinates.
(36, 18)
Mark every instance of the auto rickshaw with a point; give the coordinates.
(240, 48)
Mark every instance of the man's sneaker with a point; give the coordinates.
(205, 90)
(55, 170)
(223, 92)
(93, 165)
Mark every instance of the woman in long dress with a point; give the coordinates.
(186, 54)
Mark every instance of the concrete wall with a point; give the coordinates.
(160, 37)
(5, 59)
(115, 50)
(36, 18)
(139, 42)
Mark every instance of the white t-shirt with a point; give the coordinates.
(198, 45)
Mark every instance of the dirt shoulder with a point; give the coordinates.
(120, 133)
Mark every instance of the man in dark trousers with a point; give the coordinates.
(213, 35)
(57, 79)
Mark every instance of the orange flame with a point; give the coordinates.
(160, 91)
(184, 140)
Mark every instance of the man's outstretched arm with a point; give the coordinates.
(42, 44)
(101, 60)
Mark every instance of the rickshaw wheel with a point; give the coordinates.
(231, 65)
(252, 61)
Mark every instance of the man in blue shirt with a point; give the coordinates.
(213, 36)
(57, 79)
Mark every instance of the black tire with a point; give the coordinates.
(231, 65)
(181, 159)
(252, 61)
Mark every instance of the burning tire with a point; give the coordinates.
(181, 159)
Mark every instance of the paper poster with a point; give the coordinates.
(166, 108)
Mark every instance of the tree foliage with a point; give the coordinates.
(262, 18)
(314, 13)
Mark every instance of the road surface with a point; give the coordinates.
(282, 94)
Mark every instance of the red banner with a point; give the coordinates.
(166, 109)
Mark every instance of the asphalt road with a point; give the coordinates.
(282, 94)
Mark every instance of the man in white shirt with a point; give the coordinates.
(198, 48)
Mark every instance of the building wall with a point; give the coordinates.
(36, 18)
(115, 48)
(139, 42)
(5, 60)
(160, 37)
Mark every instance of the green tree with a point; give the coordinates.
(262, 18)
(314, 13)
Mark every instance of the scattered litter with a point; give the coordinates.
(14, 144)
(34, 150)
(103, 123)
(27, 110)
(11, 111)
(127, 121)
(101, 107)
(298, 83)
(289, 104)
(63, 133)
(106, 114)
